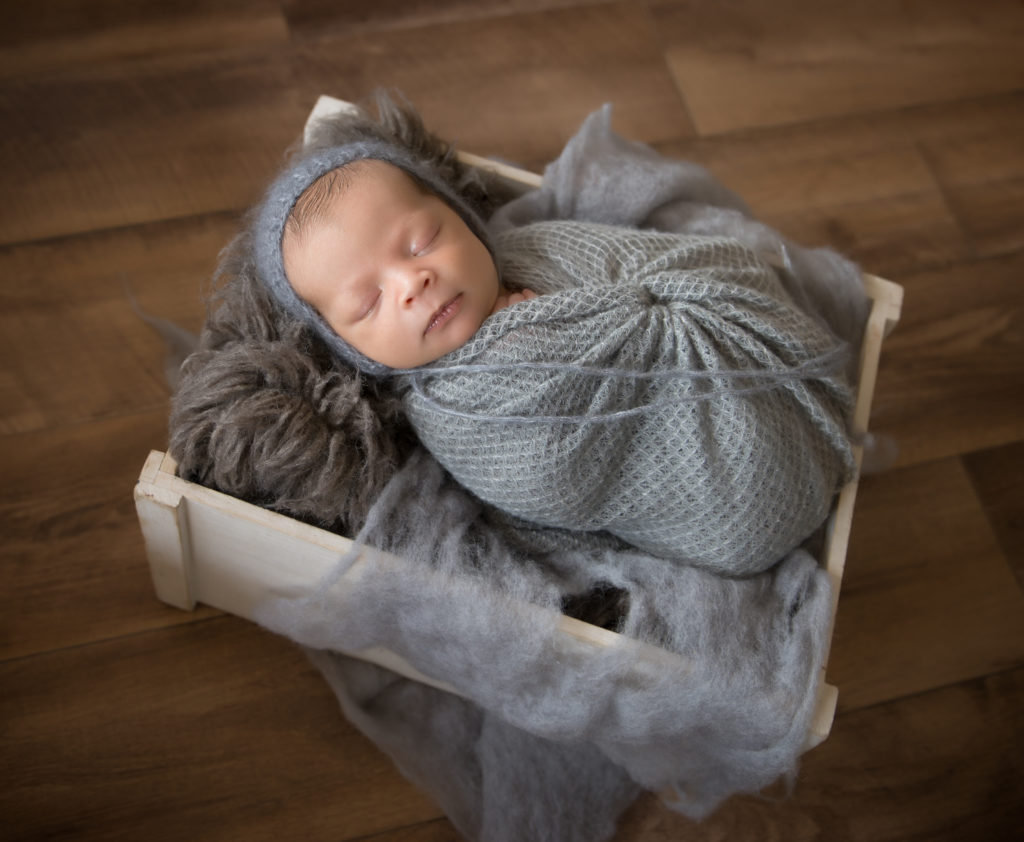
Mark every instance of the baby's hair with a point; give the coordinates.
(312, 204)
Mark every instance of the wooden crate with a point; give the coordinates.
(207, 547)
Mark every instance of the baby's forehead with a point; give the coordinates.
(367, 174)
(372, 173)
(349, 185)
(386, 175)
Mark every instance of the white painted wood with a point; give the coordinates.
(161, 514)
(205, 546)
(824, 714)
(326, 106)
(506, 171)
(887, 301)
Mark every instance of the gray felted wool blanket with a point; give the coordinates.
(664, 388)
(715, 695)
(710, 694)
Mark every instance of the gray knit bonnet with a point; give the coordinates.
(272, 217)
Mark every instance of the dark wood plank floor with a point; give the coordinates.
(134, 134)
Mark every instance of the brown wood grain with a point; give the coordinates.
(73, 557)
(943, 766)
(315, 19)
(109, 145)
(864, 190)
(928, 598)
(951, 378)
(72, 33)
(743, 64)
(193, 732)
(982, 175)
(75, 349)
(998, 478)
(439, 830)
(548, 70)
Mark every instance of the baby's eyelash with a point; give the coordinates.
(418, 248)
(369, 308)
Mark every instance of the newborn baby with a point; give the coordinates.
(392, 269)
(659, 388)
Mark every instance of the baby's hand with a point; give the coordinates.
(507, 299)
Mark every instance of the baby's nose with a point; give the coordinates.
(414, 283)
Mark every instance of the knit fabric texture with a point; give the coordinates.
(665, 389)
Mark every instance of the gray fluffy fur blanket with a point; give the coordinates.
(716, 694)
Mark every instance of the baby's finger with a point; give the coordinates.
(522, 295)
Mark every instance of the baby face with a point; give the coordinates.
(392, 269)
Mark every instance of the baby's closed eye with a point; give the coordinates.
(425, 239)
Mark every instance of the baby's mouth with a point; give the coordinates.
(444, 313)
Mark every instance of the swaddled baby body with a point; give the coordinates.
(660, 388)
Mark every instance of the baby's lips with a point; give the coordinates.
(443, 313)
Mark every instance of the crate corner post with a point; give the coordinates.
(163, 516)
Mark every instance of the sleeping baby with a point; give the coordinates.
(661, 389)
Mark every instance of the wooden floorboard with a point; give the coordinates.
(75, 348)
(951, 379)
(73, 554)
(741, 67)
(316, 19)
(135, 135)
(924, 565)
(213, 730)
(943, 766)
(75, 34)
(854, 185)
(982, 176)
(998, 477)
(110, 145)
(547, 69)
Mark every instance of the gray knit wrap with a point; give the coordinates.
(665, 389)
(272, 217)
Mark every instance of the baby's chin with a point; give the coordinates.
(456, 339)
